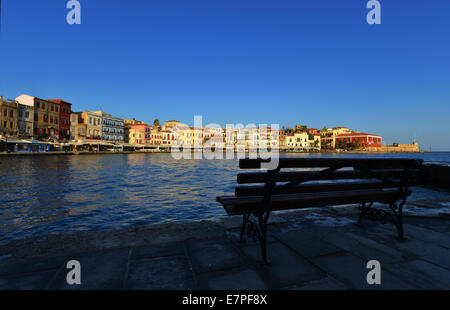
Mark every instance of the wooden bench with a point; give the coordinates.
(334, 182)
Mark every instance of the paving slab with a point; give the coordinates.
(325, 284)
(427, 251)
(307, 244)
(163, 273)
(35, 281)
(31, 265)
(419, 233)
(386, 247)
(360, 248)
(352, 271)
(286, 268)
(422, 274)
(213, 255)
(240, 279)
(441, 225)
(99, 270)
(159, 250)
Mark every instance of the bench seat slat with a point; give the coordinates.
(241, 205)
(371, 163)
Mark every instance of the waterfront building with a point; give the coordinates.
(26, 120)
(93, 123)
(314, 142)
(170, 125)
(281, 139)
(290, 141)
(46, 116)
(9, 113)
(328, 136)
(78, 128)
(65, 109)
(155, 136)
(247, 138)
(298, 141)
(195, 135)
(358, 140)
(168, 138)
(301, 141)
(182, 135)
(113, 129)
(213, 137)
(138, 134)
(126, 128)
(231, 135)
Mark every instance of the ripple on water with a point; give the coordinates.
(41, 195)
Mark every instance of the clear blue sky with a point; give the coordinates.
(240, 61)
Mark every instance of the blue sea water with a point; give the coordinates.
(45, 194)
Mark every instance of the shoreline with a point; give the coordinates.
(63, 243)
(70, 243)
(72, 153)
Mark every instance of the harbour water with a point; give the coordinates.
(47, 194)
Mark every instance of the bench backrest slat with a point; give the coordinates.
(291, 176)
(371, 163)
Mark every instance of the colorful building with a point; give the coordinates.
(281, 139)
(26, 120)
(46, 116)
(65, 108)
(113, 129)
(155, 136)
(328, 136)
(358, 140)
(314, 142)
(78, 128)
(93, 123)
(168, 138)
(9, 113)
(138, 134)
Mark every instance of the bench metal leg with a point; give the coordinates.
(398, 219)
(257, 232)
(245, 219)
(361, 215)
(263, 218)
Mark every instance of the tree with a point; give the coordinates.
(156, 123)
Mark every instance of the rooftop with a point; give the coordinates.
(355, 134)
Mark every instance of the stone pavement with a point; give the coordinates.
(304, 255)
